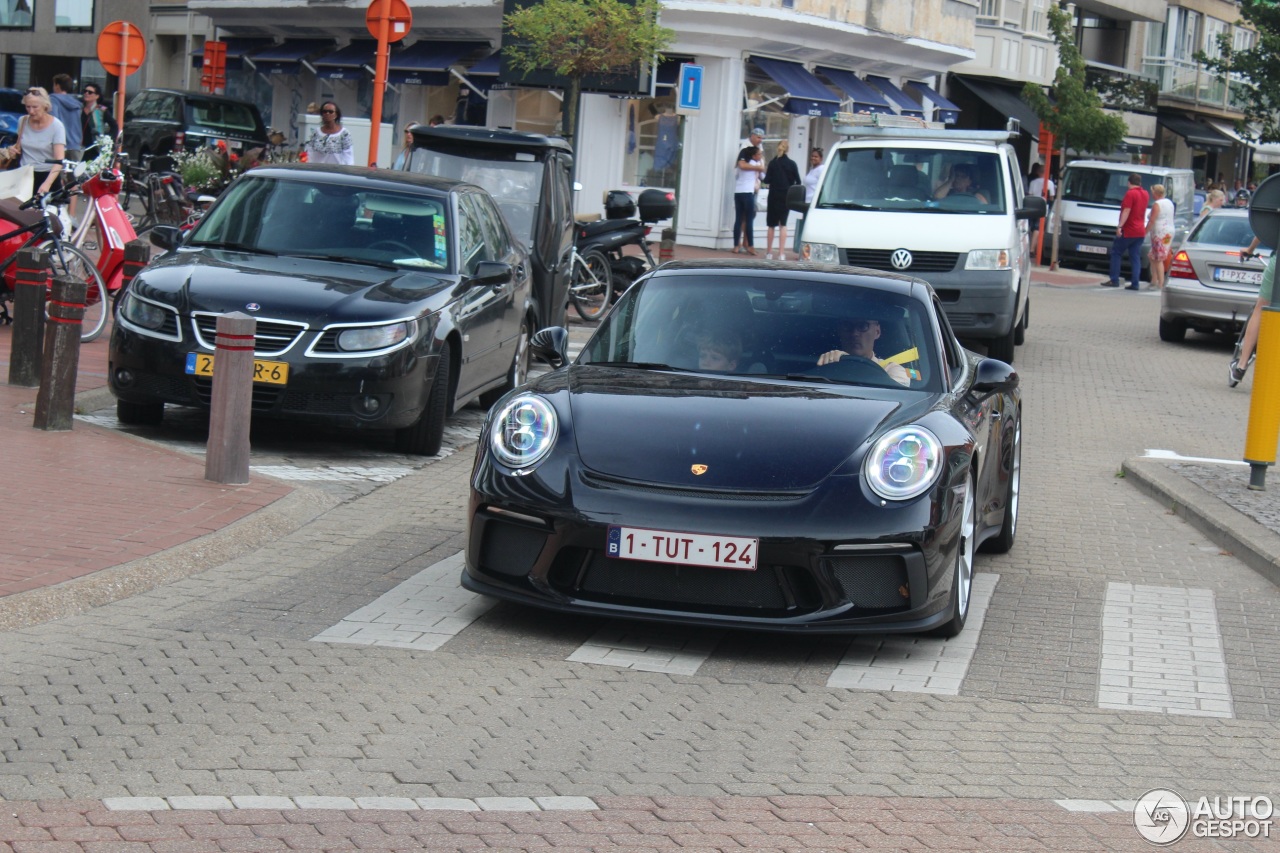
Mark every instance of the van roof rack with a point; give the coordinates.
(871, 125)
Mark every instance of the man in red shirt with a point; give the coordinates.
(1130, 233)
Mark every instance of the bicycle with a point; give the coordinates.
(590, 282)
(43, 229)
(1235, 373)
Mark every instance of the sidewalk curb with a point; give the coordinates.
(1250, 542)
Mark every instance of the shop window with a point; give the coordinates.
(538, 111)
(653, 143)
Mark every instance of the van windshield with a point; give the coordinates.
(1102, 186)
(940, 180)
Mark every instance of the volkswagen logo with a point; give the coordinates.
(1094, 232)
(901, 259)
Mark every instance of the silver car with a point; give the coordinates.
(1211, 286)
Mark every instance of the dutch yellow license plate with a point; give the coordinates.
(270, 372)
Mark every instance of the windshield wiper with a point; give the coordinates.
(386, 265)
(233, 246)
(847, 205)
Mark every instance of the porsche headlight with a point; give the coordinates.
(524, 431)
(821, 253)
(139, 312)
(904, 463)
(988, 259)
(369, 338)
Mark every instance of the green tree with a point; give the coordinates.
(1259, 65)
(1074, 115)
(578, 38)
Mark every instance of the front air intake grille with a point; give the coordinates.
(265, 397)
(872, 581)
(598, 481)
(271, 337)
(509, 549)
(660, 584)
(881, 259)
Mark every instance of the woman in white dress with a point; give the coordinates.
(330, 142)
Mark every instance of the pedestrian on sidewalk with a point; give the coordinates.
(1129, 234)
(1160, 230)
(781, 175)
(747, 173)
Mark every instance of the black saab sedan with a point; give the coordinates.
(383, 300)
(753, 445)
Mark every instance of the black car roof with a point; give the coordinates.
(361, 174)
(491, 136)
(889, 282)
(187, 93)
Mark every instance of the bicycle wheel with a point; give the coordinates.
(72, 262)
(591, 286)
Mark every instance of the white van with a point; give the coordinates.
(1090, 208)
(896, 199)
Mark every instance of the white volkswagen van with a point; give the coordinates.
(1090, 208)
(943, 205)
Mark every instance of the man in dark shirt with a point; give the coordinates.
(1130, 233)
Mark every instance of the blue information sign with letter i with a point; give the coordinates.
(689, 100)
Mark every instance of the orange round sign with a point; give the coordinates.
(121, 48)
(401, 19)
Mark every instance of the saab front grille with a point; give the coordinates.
(271, 337)
(265, 397)
(881, 259)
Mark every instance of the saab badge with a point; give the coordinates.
(698, 470)
(252, 306)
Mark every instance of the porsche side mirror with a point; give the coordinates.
(1033, 207)
(795, 199)
(167, 237)
(491, 274)
(551, 345)
(994, 377)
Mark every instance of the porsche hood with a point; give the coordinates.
(732, 434)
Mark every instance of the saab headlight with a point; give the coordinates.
(369, 338)
(988, 259)
(821, 253)
(524, 431)
(140, 312)
(904, 463)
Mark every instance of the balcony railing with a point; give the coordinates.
(1186, 80)
(1121, 88)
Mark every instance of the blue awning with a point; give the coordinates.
(902, 102)
(806, 96)
(347, 63)
(286, 58)
(237, 50)
(948, 113)
(426, 63)
(866, 99)
(487, 67)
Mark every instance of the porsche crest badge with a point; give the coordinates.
(698, 470)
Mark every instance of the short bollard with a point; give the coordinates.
(56, 400)
(31, 289)
(227, 460)
(137, 253)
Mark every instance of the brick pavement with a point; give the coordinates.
(209, 685)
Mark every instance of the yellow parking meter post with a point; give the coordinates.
(1264, 402)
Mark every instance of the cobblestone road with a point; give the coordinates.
(213, 686)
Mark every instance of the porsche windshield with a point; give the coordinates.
(787, 328)
(936, 180)
(330, 221)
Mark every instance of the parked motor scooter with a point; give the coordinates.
(618, 230)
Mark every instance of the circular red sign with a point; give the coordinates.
(397, 11)
(121, 48)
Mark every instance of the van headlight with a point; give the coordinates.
(988, 259)
(820, 253)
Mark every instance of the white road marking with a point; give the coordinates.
(1162, 652)
(914, 664)
(649, 648)
(1174, 456)
(377, 474)
(423, 612)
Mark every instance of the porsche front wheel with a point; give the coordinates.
(1003, 541)
(962, 577)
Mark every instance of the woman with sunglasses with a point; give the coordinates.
(42, 140)
(402, 159)
(95, 119)
(330, 142)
